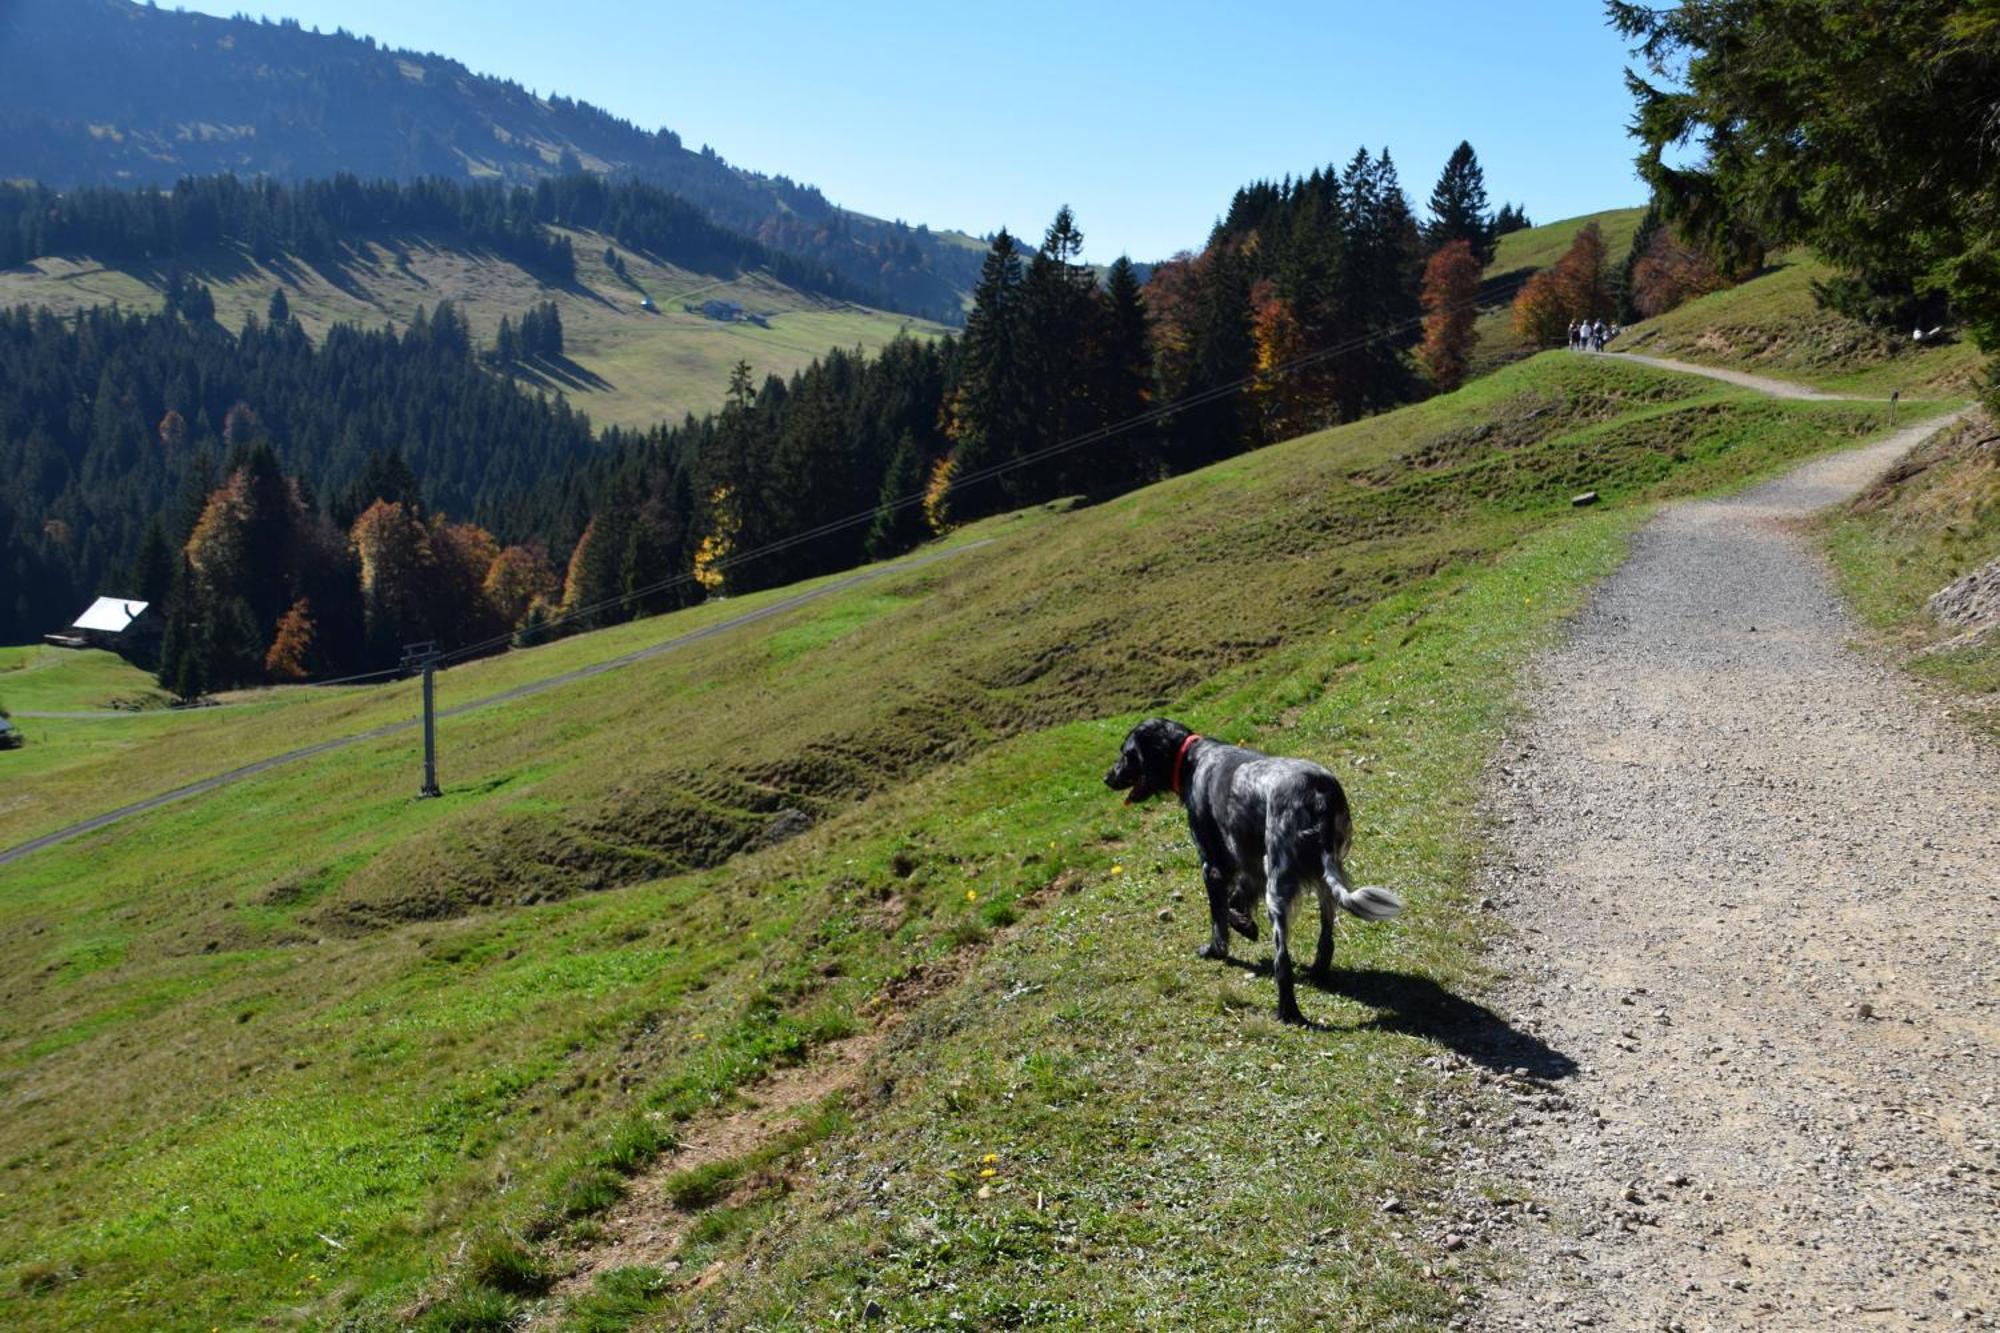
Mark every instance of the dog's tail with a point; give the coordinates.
(1369, 902)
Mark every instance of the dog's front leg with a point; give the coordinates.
(1217, 884)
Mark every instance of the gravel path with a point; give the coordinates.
(1754, 880)
(1742, 379)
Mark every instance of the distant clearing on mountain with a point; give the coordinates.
(107, 92)
(623, 365)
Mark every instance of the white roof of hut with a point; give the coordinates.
(110, 615)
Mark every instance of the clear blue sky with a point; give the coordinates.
(1143, 117)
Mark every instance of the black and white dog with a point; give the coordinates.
(1258, 822)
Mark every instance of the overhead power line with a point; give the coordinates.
(1489, 294)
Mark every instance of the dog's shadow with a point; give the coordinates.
(1408, 1003)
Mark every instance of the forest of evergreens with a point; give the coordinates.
(305, 511)
(323, 223)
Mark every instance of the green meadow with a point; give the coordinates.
(310, 1051)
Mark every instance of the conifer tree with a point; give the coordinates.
(1125, 386)
(152, 575)
(1458, 206)
(899, 522)
(989, 418)
(1222, 352)
(1063, 345)
(659, 550)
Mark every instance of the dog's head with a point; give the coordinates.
(1145, 764)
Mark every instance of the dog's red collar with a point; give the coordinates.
(1180, 758)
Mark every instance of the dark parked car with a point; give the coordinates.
(10, 735)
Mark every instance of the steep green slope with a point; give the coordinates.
(1771, 325)
(282, 1051)
(624, 365)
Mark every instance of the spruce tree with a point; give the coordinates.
(152, 576)
(1124, 387)
(899, 522)
(1062, 344)
(990, 409)
(1458, 206)
(1223, 353)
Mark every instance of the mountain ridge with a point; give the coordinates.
(148, 96)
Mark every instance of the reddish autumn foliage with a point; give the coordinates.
(1670, 272)
(1451, 284)
(173, 431)
(1576, 288)
(1285, 401)
(518, 578)
(290, 653)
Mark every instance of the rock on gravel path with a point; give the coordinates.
(1754, 878)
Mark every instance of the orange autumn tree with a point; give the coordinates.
(1576, 288)
(519, 577)
(395, 551)
(1670, 272)
(462, 555)
(1282, 399)
(291, 648)
(1451, 284)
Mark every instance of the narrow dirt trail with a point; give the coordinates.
(1754, 880)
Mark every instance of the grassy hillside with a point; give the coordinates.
(1520, 253)
(625, 366)
(1771, 325)
(1933, 520)
(113, 92)
(313, 1051)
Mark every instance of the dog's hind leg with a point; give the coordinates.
(1281, 890)
(1322, 968)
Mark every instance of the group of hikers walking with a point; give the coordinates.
(1586, 335)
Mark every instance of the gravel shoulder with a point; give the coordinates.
(1754, 883)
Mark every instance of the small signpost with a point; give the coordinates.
(424, 657)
